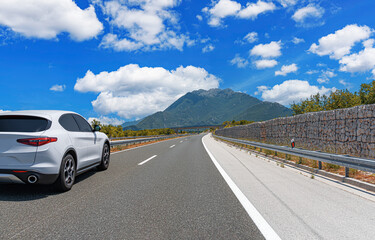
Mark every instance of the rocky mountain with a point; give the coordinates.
(214, 106)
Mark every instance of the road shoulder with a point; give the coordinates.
(294, 204)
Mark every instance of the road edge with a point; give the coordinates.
(253, 213)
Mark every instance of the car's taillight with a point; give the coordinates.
(36, 141)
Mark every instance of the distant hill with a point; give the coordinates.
(264, 111)
(214, 106)
(127, 124)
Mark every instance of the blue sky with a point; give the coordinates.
(121, 60)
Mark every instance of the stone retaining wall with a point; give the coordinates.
(343, 131)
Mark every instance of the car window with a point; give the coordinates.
(68, 123)
(84, 126)
(23, 124)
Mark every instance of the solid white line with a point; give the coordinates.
(148, 159)
(259, 221)
(172, 146)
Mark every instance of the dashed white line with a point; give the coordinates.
(257, 218)
(172, 146)
(181, 141)
(148, 159)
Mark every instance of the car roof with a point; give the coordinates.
(38, 113)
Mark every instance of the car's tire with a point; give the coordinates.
(67, 174)
(104, 164)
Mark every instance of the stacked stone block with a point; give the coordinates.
(348, 131)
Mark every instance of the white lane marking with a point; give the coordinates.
(172, 146)
(181, 141)
(148, 159)
(142, 146)
(259, 221)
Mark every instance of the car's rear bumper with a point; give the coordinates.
(9, 178)
(20, 176)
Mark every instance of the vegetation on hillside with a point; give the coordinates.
(117, 131)
(235, 123)
(214, 106)
(336, 100)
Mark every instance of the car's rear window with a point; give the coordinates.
(23, 124)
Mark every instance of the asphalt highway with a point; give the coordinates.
(167, 190)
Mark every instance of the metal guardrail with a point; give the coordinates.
(346, 161)
(135, 137)
(139, 140)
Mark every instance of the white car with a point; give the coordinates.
(49, 147)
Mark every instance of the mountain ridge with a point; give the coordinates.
(212, 107)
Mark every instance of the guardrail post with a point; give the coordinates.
(320, 165)
(346, 172)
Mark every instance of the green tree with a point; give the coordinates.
(335, 100)
(235, 123)
(315, 103)
(95, 122)
(342, 99)
(367, 93)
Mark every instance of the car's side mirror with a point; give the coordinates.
(97, 128)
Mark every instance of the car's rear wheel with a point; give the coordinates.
(105, 158)
(67, 175)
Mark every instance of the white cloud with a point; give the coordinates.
(373, 73)
(107, 120)
(111, 41)
(134, 91)
(147, 25)
(309, 16)
(252, 10)
(322, 80)
(360, 62)
(340, 43)
(4, 111)
(329, 73)
(199, 17)
(205, 40)
(269, 50)
(57, 88)
(47, 19)
(251, 37)
(291, 91)
(297, 40)
(208, 48)
(326, 75)
(239, 61)
(285, 69)
(265, 63)
(227, 8)
(222, 9)
(260, 89)
(346, 84)
(310, 72)
(287, 3)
